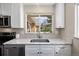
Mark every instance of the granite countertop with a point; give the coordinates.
(27, 41)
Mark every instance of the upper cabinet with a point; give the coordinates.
(15, 10)
(17, 15)
(5, 9)
(59, 14)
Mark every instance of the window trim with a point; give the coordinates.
(76, 30)
(39, 14)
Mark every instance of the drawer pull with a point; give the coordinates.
(39, 52)
(56, 52)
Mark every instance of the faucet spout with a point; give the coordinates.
(39, 36)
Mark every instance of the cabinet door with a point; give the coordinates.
(0, 8)
(32, 50)
(6, 9)
(39, 50)
(17, 16)
(62, 50)
(59, 15)
(46, 50)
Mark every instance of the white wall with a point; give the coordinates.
(38, 9)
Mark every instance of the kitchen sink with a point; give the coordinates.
(39, 40)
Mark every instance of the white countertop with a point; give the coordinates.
(27, 41)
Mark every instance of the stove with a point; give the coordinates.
(4, 37)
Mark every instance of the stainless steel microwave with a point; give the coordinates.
(5, 21)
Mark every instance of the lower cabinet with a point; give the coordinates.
(14, 50)
(48, 50)
(39, 50)
(62, 50)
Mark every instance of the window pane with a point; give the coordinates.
(36, 23)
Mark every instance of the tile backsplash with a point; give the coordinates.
(22, 34)
(33, 35)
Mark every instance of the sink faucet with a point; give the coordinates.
(38, 35)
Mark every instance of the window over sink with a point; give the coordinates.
(39, 23)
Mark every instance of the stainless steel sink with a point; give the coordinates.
(39, 40)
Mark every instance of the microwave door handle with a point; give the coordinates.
(8, 21)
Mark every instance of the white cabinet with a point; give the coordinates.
(16, 11)
(62, 50)
(59, 14)
(31, 50)
(0, 9)
(6, 9)
(47, 50)
(17, 15)
(39, 50)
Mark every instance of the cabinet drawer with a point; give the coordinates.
(46, 46)
(62, 50)
(46, 50)
(31, 50)
(32, 46)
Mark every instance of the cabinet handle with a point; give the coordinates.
(56, 52)
(38, 52)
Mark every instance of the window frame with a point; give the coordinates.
(76, 32)
(39, 14)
